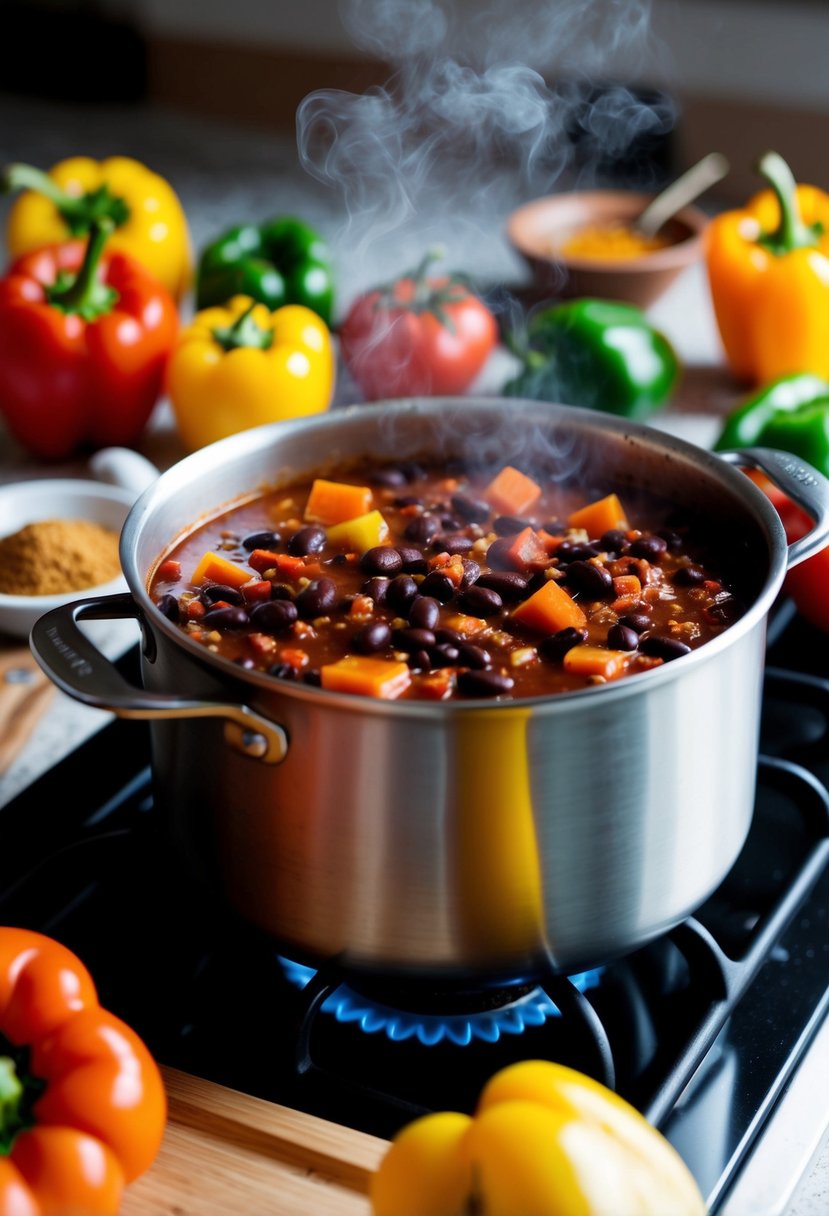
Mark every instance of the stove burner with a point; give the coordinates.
(532, 1007)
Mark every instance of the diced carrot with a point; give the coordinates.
(595, 661)
(255, 590)
(169, 571)
(550, 542)
(216, 569)
(382, 678)
(195, 610)
(294, 657)
(550, 609)
(263, 559)
(437, 685)
(263, 645)
(333, 502)
(528, 551)
(627, 584)
(511, 491)
(467, 625)
(599, 517)
(362, 606)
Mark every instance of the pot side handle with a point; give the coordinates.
(75, 664)
(798, 481)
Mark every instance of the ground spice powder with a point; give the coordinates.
(52, 556)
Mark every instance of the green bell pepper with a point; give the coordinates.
(283, 261)
(791, 413)
(598, 354)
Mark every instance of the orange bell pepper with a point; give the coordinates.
(82, 1102)
(768, 272)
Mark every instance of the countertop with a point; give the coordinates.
(222, 175)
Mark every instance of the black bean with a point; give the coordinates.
(226, 618)
(246, 662)
(483, 683)
(555, 527)
(592, 581)
(456, 543)
(445, 634)
(450, 524)
(312, 676)
(424, 612)
(274, 616)
(420, 661)
(555, 646)
(663, 648)
(390, 477)
(509, 584)
(444, 655)
(261, 540)
(381, 560)
(283, 671)
(471, 573)
(577, 551)
(168, 606)
(622, 637)
(374, 636)
(414, 639)
(413, 560)
(474, 656)
(376, 588)
(281, 591)
(318, 598)
(650, 547)
(536, 582)
(218, 591)
(307, 540)
(672, 539)
(407, 500)
(614, 541)
(481, 601)
(401, 592)
(498, 556)
(509, 525)
(637, 621)
(688, 576)
(473, 510)
(422, 529)
(438, 585)
(339, 559)
(411, 470)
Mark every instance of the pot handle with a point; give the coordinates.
(798, 481)
(76, 665)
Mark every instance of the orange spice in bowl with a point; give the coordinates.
(610, 241)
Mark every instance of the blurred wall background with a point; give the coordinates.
(744, 74)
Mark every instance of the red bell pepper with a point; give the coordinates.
(84, 341)
(82, 1103)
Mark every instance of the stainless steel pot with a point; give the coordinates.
(472, 837)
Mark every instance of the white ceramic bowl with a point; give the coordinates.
(26, 502)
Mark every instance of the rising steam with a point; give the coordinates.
(487, 105)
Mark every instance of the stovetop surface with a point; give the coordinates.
(701, 1030)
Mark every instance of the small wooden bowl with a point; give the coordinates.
(537, 229)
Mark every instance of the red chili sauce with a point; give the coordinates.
(411, 581)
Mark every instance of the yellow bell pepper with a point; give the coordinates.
(241, 366)
(544, 1141)
(768, 272)
(149, 219)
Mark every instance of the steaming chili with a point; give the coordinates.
(435, 583)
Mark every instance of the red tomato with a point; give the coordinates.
(808, 583)
(418, 337)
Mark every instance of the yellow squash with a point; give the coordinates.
(241, 366)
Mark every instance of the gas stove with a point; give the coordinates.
(717, 1031)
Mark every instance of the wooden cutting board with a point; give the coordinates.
(25, 693)
(227, 1154)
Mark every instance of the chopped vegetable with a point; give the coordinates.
(528, 551)
(213, 568)
(384, 678)
(363, 532)
(550, 609)
(333, 502)
(604, 515)
(512, 492)
(594, 661)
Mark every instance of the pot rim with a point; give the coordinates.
(204, 460)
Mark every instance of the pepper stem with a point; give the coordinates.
(84, 293)
(244, 332)
(791, 232)
(79, 212)
(11, 1098)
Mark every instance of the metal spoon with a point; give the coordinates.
(693, 182)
